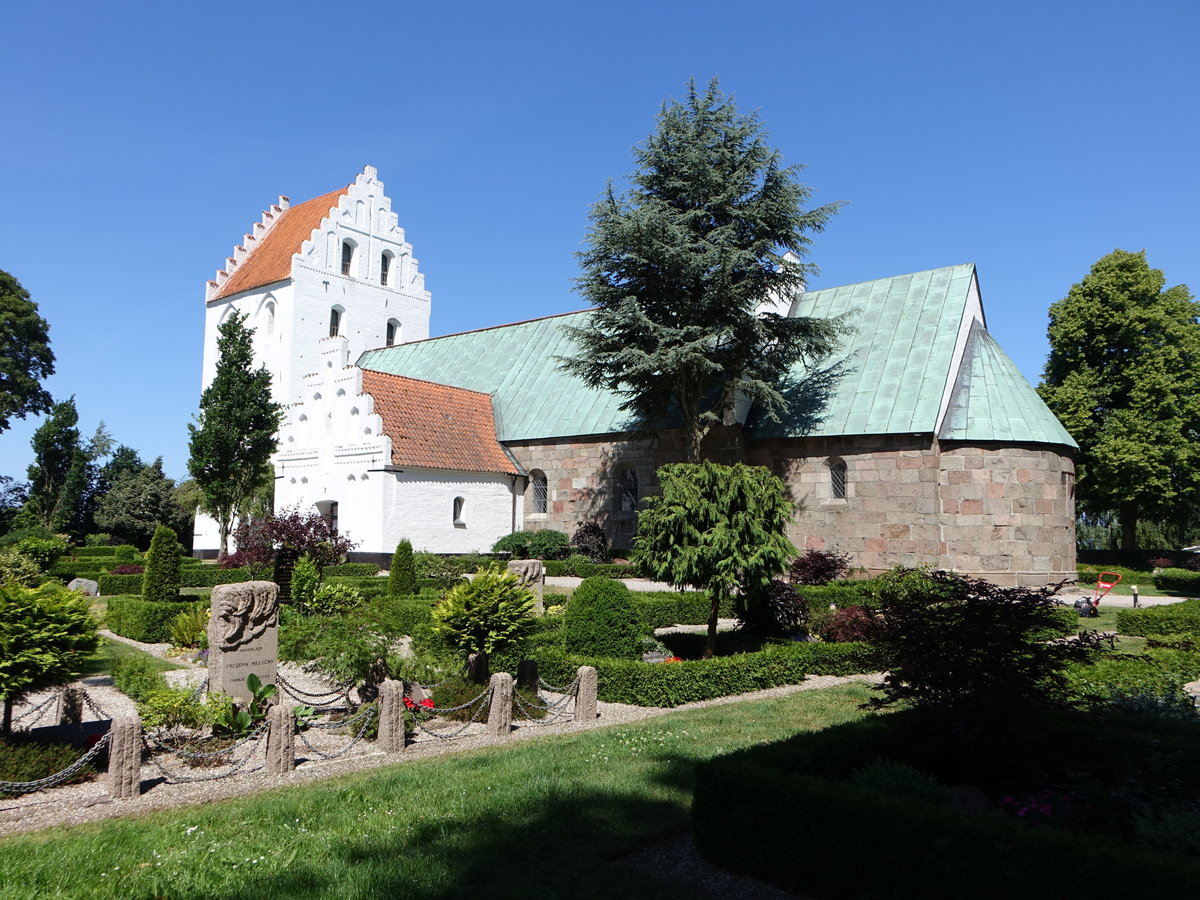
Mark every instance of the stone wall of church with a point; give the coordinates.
(1002, 512)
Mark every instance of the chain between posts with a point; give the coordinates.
(95, 707)
(35, 709)
(367, 715)
(238, 765)
(342, 692)
(481, 702)
(29, 787)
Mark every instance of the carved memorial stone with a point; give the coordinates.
(533, 576)
(243, 636)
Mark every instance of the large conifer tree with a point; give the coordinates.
(678, 267)
(1123, 375)
(232, 442)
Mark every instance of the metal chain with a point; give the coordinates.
(557, 710)
(237, 765)
(95, 707)
(486, 697)
(186, 754)
(370, 713)
(300, 694)
(437, 710)
(342, 723)
(28, 787)
(36, 709)
(545, 685)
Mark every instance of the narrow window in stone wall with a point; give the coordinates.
(335, 322)
(837, 479)
(385, 264)
(541, 493)
(628, 499)
(347, 257)
(331, 516)
(393, 332)
(458, 511)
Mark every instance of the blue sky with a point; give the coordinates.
(143, 139)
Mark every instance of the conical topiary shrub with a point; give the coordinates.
(161, 579)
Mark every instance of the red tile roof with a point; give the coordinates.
(436, 426)
(270, 260)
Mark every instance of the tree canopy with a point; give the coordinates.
(234, 435)
(679, 269)
(721, 528)
(62, 477)
(1123, 376)
(25, 356)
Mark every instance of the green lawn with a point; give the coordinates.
(1143, 578)
(543, 818)
(109, 651)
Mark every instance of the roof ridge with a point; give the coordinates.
(485, 328)
(426, 381)
(834, 287)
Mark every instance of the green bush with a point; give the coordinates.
(112, 585)
(1178, 581)
(45, 551)
(402, 575)
(1173, 618)
(126, 553)
(579, 566)
(661, 609)
(161, 578)
(16, 566)
(305, 580)
(351, 570)
(23, 758)
(171, 708)
(45, 635)
(488, 614)
(99, 552)
(672, 684)
(516, 544)
(137, 676)
(145, 620)
(548, 544)
(211, 576)
(190, 628)
(400, 615)
(602, 619)
(333, 600)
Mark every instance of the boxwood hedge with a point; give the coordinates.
(143, 620)
(1178, 581)
(1174, 618)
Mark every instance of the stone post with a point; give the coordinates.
(125, 758)
(585, 696)
(527, 675)
(477, 668)
(391, 716)
(499, 722)
(70, 706)
(281, 739)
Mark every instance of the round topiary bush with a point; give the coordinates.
(602, 619)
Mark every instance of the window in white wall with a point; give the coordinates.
(393, 332)
(458, 513)
(385, 266)
(335, 321)
(347, 257)
(541, 493)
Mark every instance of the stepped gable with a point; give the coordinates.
(435, 426)
(266, 256)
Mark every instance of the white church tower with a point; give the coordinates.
(319, 282)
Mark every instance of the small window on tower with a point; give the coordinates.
(393, 332)
(347, 257)
(541, 494)
(837, 479)
(628, 499)
(385, 265)
(335, 322)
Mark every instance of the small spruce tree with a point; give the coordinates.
(402, 576)
(161, 578)
(305, 581)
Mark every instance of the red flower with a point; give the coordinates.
(408, 703)
(672, 659)
(427, 703)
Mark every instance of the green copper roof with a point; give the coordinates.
(992, 401)
(532, 398)
(889, 377)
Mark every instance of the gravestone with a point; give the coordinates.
(85, 586)
(533, 576)
(243, 636)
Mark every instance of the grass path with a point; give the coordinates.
(543, 818)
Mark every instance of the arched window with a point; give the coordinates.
(837, 479)
(269, 316)
(458, 512)
(347, 257)
(540, 494)
(385, 266)
(393, 332)
(628, 499)
(335, 321)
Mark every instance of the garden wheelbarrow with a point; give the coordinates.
(1090, 608)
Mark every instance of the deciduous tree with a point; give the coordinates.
(25, 356)
(234, 435)
(679, 267)
(721, 528)
(1123, 376)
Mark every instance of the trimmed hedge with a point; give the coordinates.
(111, 585)
(588, 569)
(671, 684)
(661, 609)
(1178, 581)
(211, 576)
(144, 620)
(1174, 618)
(351, 570)
(92, 551)
(753, 809)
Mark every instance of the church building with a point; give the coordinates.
(919, 443)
